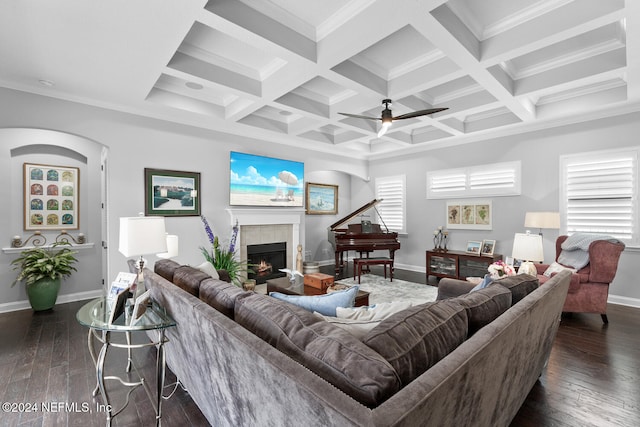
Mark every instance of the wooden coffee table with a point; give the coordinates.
(281, 284)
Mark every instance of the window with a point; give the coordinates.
(497, 179)
(599, 193)
(392, 208)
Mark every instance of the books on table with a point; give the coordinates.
(118, 294)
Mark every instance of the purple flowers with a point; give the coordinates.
(207, 228)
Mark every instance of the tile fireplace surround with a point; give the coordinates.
(258, 226)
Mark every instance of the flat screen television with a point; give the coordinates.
(265, 181)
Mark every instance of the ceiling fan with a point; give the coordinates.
(387, 118)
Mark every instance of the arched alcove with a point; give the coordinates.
(47, 147)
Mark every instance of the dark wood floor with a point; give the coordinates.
(593, 377)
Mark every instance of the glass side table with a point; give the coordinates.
(95, 315)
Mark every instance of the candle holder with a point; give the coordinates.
(64, 237)
(36, 239)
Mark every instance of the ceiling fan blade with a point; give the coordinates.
(358, 116)
(419, 113)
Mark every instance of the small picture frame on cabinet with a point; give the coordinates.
(488, 247)
(473, 247)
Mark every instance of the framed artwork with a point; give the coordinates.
(51, 197)
(469, 215)
(488, 247)
(473, 247)
(171, 193)
(322, 199)
(265, 181)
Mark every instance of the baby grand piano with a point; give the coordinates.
(361, 237)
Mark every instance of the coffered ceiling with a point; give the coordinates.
(280, 71)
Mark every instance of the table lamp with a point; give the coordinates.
(528, 248)
(542, 220)
(139, 236)
(172, 247)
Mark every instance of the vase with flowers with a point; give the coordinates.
(224, 258)
(500, 269)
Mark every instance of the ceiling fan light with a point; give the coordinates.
(383, 129)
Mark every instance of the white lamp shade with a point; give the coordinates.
(172, 247)
(527, 247)
(142, 235)
(542, 220)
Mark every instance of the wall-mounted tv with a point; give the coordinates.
(265, 181)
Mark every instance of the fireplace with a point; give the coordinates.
(267, 259)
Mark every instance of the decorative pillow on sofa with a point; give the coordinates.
(415, 339)
(356, 327)
(520, 285)
(555, 267)
(486, 281)
(324, 304)
(220, 295)
(484, 305)
(208, 268)
(325, 349)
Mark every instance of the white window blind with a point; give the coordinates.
(497, 179)
(392, 208)
(599, 193)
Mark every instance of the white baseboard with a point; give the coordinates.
(78, 296)
(619, 300)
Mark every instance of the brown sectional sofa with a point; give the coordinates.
(251, 360)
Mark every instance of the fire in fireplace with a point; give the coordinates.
(267, 260)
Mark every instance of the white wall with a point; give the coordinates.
(134, 143)
(539, 153)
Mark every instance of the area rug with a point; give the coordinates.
(382, 290)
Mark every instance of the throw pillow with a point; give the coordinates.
(208, 268)
(324, 304)
(373, 312)
(356, 327)
(321, 347)
(486, 281)
(555, 267)
(415, 339)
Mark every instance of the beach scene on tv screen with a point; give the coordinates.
(265, 181)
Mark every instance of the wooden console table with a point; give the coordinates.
(458, 264)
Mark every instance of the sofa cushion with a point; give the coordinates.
(325, 349)
(485, 305)
(220, 295)
(324, 304)
(356, 327)
(415, 339)
(166, 268)
(520, 285)
(189, 278)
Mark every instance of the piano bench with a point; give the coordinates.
(359, 262)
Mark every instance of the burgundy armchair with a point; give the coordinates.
(589, 286)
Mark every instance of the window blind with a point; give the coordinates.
(497, 179)
(392, 207)
(601, 194)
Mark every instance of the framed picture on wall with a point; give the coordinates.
(51, 197)
(322, 199)
(469, 214)
(171, 193)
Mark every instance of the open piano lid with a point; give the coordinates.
(340, 222)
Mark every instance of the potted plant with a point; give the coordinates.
(42, 270)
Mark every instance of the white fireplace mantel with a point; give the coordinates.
(265, 217)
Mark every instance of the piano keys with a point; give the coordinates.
(361, 237)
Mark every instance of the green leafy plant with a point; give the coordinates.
(224, 258)
(39, 263)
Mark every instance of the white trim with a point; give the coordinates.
(62, 299)
(620, 300)
(74, 247)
